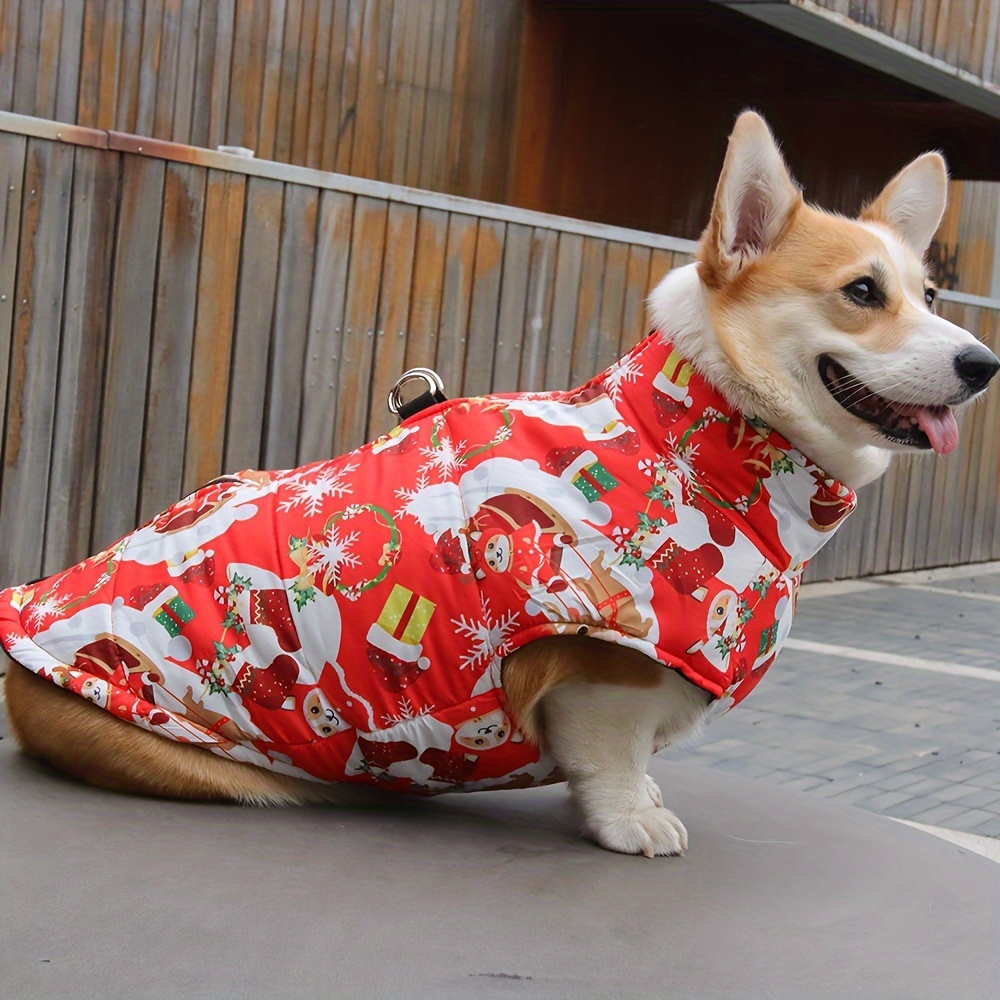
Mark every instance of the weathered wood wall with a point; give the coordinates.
(167, 313)
(961, 33)
(416, 92)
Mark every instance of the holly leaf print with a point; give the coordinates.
(649, 524)
(302, 594)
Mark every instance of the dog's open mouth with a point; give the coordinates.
(905, 423)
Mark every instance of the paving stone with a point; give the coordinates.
(972, 819)
(918, 743)
(939, 814)
(980, 798)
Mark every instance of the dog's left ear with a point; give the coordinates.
(754, 202)
(913, 201)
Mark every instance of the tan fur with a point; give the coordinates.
(77, 737)
(819, 255)
(532, 671)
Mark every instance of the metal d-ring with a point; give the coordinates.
(431, 377)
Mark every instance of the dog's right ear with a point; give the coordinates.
(754, 202)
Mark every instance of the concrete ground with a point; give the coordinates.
(886, 697)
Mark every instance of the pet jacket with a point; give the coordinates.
(346, 621)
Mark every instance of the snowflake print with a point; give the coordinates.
(408, 495)
(313, 486)
(489, 636)
(330, 553)
(406, 713)
(681, 459)
(627, 370)
(445, 458)
(47, 606)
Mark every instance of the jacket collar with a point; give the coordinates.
(725, 461)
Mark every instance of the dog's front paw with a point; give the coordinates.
(653, 790)
(651, 831)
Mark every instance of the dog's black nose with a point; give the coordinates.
(976, 366)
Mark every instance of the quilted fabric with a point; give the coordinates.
(347, 620)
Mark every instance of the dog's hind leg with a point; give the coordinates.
(85, 741)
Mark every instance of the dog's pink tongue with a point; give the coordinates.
(938, 423)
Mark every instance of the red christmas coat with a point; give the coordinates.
(346, 621)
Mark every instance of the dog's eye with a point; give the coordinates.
(864, 292)
(930, 294)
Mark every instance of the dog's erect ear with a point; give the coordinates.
(754, 202)
(913, 201)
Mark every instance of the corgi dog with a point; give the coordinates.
(787, 366)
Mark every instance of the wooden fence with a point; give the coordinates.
(961, 33)
(167, 313)
(417, 92)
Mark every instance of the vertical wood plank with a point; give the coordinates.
(588, 311)
(213, 330)
(170, 63)
(34, 360)
(68, 70)
(612, 304)
(271, 88)
(569, 263)
(29, 29)
(254, 318)
(538, 314)
(348, 100)
(69, 514)
(289, 82)
(222, 74)
(335, 112)
(464, 79)
(286, 366)
(49, 57)
(324, 340)
(393, 91)
(371, 89)
(126, 113)
(249, 40)
(513, 306)
(418, 104)
(201, 110)
(484, 313)
(303, 81)
(148, 70)
(318, 88)
(428, 280)
(393, 312)
(133, 285)
(175, 301)
(9, 18)
(456, 301)
(634, 306)
(189, 67)
(434, 143)
(353, 395)
(988, 472)
(12, 156)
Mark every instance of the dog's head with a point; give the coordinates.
(828, 323)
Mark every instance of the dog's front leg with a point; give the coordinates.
(602, 736)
